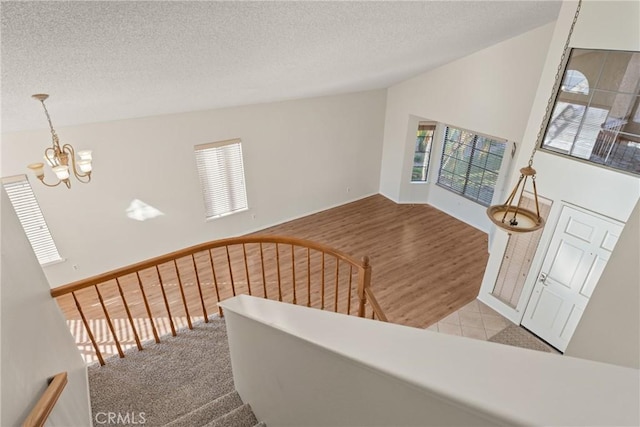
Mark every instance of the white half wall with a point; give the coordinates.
(489, 92)
(612, 318)
(36, 343)
(300, 157)
(298, 366)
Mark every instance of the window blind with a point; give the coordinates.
(518, 257)
(422, 152)
(221, 171)
(470, 164)
(28, 210)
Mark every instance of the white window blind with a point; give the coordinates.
(26, 206)
(518, 256)
(221, 172)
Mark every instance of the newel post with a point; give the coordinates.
(364, 281)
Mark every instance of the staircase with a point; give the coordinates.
(183, 381)
(185, 378)
(225, 411)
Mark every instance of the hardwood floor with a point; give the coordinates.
(426, 265)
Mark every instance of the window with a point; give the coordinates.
(422, 152)
(518, 256)
(222, 177)
(26, 206)
(595, 115)
(470, 164)
(576, 82)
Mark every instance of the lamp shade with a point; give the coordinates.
(37, 168)
(62, 172)
(84, 165)
(85, 154)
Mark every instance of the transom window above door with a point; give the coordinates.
(596, 115)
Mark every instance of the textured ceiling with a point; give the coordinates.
(103, 61)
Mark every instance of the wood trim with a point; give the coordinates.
(91, 281)
(40, 412)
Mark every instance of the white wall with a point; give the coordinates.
(490, 92)
(36, 343)
(300, 157)
(601, 25)
(297, 366)
(612, 318)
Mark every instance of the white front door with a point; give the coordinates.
(580, 248)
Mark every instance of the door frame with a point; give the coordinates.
(601, 223)
(516, 314)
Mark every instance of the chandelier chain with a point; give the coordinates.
(557, 81)
(56, 142)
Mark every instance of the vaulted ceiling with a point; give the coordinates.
(104, 61)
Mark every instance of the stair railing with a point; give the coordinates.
(125, 306)
(40, 412)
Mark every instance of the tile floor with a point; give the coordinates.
(474, 320)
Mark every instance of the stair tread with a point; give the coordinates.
(209, 411)
(240, 417)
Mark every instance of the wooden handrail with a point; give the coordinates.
(143, 265)
(111, 301)
(40, 412)
(374, 305)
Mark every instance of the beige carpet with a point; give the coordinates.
(164, 381)
(520, 337)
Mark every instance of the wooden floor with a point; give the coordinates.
(426, 265)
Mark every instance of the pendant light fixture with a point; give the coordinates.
(58, 157)
(512, 216)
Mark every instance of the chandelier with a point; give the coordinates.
(511, 216)
(58, 158)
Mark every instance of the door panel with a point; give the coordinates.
(572, 322)
(594, 274)
(577, 254)
(565, 264)
(609, 241)
(579, 229)
(547, 307)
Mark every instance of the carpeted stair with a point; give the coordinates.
(183, 381)
(227, 410)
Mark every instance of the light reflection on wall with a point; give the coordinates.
(140, 211)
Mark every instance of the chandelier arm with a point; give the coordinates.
(535, 196)
(53, 158)
(50, 185)
(524, 184)
(67, 148)
(509, 200)
(81, 178)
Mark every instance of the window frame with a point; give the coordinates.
(498, 172)
(29, 212)
(426, 166)
(593, 89)
(207, 176)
